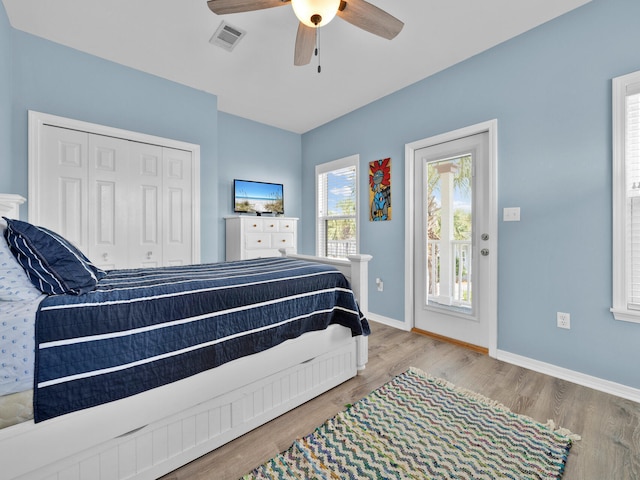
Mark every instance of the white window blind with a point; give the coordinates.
(337, 208)
(626, 197)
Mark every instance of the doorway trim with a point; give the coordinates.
(491, 128)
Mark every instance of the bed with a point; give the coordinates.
(154, 431)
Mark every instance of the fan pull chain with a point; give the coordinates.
(318, 48)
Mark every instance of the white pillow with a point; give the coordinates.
(14, 283)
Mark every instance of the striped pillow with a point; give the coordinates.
(52, 263)
(14, 283)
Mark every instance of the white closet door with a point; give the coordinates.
(178, 207)
(126, 199)
(108, 177)
(62, 181)
(145, 205)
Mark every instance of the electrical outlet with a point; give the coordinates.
(564, 320)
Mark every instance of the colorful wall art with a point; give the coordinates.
(380, 190)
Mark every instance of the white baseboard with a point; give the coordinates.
(391, 322)
(596, 383)
(585, 380)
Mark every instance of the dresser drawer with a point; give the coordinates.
(270, 225)
(286, 226)
(253, 224)
(257, 240)
(259, 253)
(282, 240)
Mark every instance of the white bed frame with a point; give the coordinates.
(155, 432)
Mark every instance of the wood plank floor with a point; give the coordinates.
(609, 425)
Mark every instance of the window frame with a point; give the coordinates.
(324, 168)
(622, 87)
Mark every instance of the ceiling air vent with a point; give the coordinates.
(227, 36)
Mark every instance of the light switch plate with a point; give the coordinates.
(511, 214)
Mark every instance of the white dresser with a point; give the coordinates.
(254, 237)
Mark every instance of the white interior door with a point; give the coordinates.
(178, 210)
(125, 199)
(145, 199)
(454, 295)
(107, 201)
(62, 182)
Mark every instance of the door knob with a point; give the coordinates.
(484, 252)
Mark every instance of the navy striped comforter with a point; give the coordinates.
(148, 327)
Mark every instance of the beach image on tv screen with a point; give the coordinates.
(258, 197)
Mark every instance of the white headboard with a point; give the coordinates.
(10, 206)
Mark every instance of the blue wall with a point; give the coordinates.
(550, 90)
(5, 102)
(51, 78)
(47, 77)
(253, 151)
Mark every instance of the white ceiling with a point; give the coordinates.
(170, 39)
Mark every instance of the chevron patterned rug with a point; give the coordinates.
(418, 426)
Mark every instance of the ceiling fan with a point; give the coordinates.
(317, 13)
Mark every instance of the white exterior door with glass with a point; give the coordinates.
(454, 240)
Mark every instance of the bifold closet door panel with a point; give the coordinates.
(145, 206)
(178, 207)
(108, 180)
(62, 184)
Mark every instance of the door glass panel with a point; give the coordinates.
(449, 212)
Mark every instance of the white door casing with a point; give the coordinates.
(484, 316)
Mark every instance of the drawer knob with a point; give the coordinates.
(284, 241)
(272, 225)
(254, 225)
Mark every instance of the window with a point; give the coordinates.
(337, 208)
(626, 197)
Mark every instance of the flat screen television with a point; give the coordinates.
(257, 197)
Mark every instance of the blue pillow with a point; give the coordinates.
(52, 263)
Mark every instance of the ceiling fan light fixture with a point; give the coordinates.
(315, 13)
